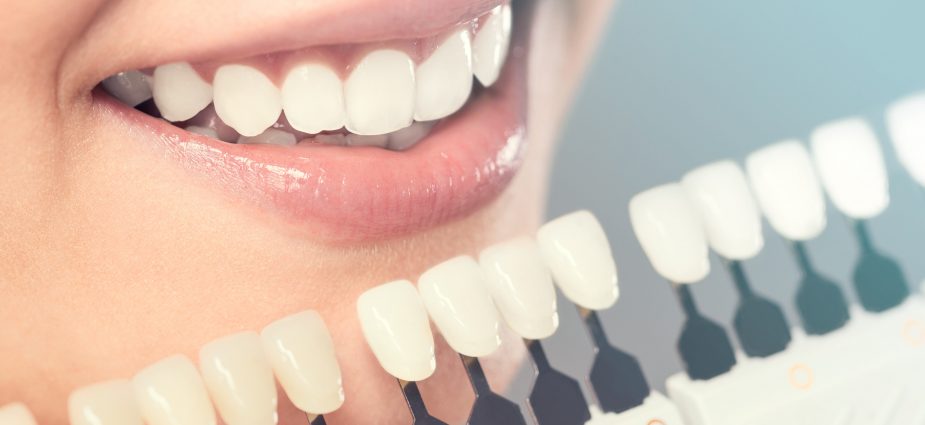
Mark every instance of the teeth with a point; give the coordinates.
(107, 403)
(461, 307)
(171, 392)
(179, 92)
(381, 140)
(725, 203)
(16, 414)
(203, 131)
(313, 98)
(271, 136)
(379, 95)
(238, 376)
(332, 139)
(245, 99)
(489, 48)
(301, 352)
(444, 80)
(787, 190)
(578, 254)
(851, 168)
(130, 87)
(906, 122)
(395, 325)
(669, 230)
(407, 137)
(521, 287)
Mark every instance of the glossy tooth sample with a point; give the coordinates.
(395, 325)
(787, 190)
(444, 80)
(313, 98)
(179, 92)
(727, 209)
(240, 380)
(16, 414)
(130, 87)
(906, 122)
(300, 349)
(106, 403)
(668, 227)
(245, 99)
(408, 137)
(202, 131)
(379, 94)
(171, 392)
(578, 255)
(851, 167)
(490, 46)
(521, 286)
(270, 136)
(455, 295)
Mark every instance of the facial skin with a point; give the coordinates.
(113, 257)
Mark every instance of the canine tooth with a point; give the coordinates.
(578, 255)
(130, 87)
(906, 123)
(455, 295)
(270, 136)
(395, 325)
(313, 98)
(246, 99)
(851, 167)
(202, 131)
(179, 92)
(727, 208)
(106, 403)
(171, 392)
(16, 414)
(444, 80)
(407, 137)
(667, 226)
(381, 140)
(521, 286)
(787, 190)
(490, 46)
(300, 349)
(239, 378)
(379, 94)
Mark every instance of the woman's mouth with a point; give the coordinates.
(349, 141)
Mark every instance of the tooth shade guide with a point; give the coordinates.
(616, 377)
(556, 398)
(489, 407)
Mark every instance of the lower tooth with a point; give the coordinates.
(130, 87)
(203, 131)
(269, 137)
(381, 140)
(331, 139)
(408, 137)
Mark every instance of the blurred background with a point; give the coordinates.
(676, 85)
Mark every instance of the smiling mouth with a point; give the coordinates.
(349, 141)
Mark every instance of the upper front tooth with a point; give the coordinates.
(444, 80)
(489, 48)
(245, 99)
(578, 254)
(16, 414)
(668, 228)
(131, 87)
(379, 94)
(107, 403)
(238, 376)
(171, 392)
(787, 190)
(179, 92)
(906, 122)
(851, 168)
(730, 217)
(313, 98)
(271, 136)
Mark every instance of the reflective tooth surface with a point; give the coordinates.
(313, 98)
(490, 45)
(179, 92)
(106, 403)
(16, 414)
(906, 122)
(246, 99)
(130, 87)
(379, 94)
(444, 80)
(270, 136)
(238, 376)
(171, 392)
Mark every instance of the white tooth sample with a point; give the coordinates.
(16, 414)
(408, 137)
(851, 167)
(202, 131)
(171, 392)
(727, 209)
(578, 254)
(270, 136)
(179, 92)
(381, 140)
(300, 349)
(906, 122)
(455, 295)
(444, 80)
(521, 286)
(394, 322)
(130, 87)
(240, 380)
(490, 45)
(106, 403)
(668, 227)
(379, 94)
(313, 98)
(787, 190)
(245, 99)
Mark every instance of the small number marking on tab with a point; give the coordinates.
(801, 376)
(656, 422)
(914, 333)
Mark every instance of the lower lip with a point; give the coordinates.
(362, 194)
